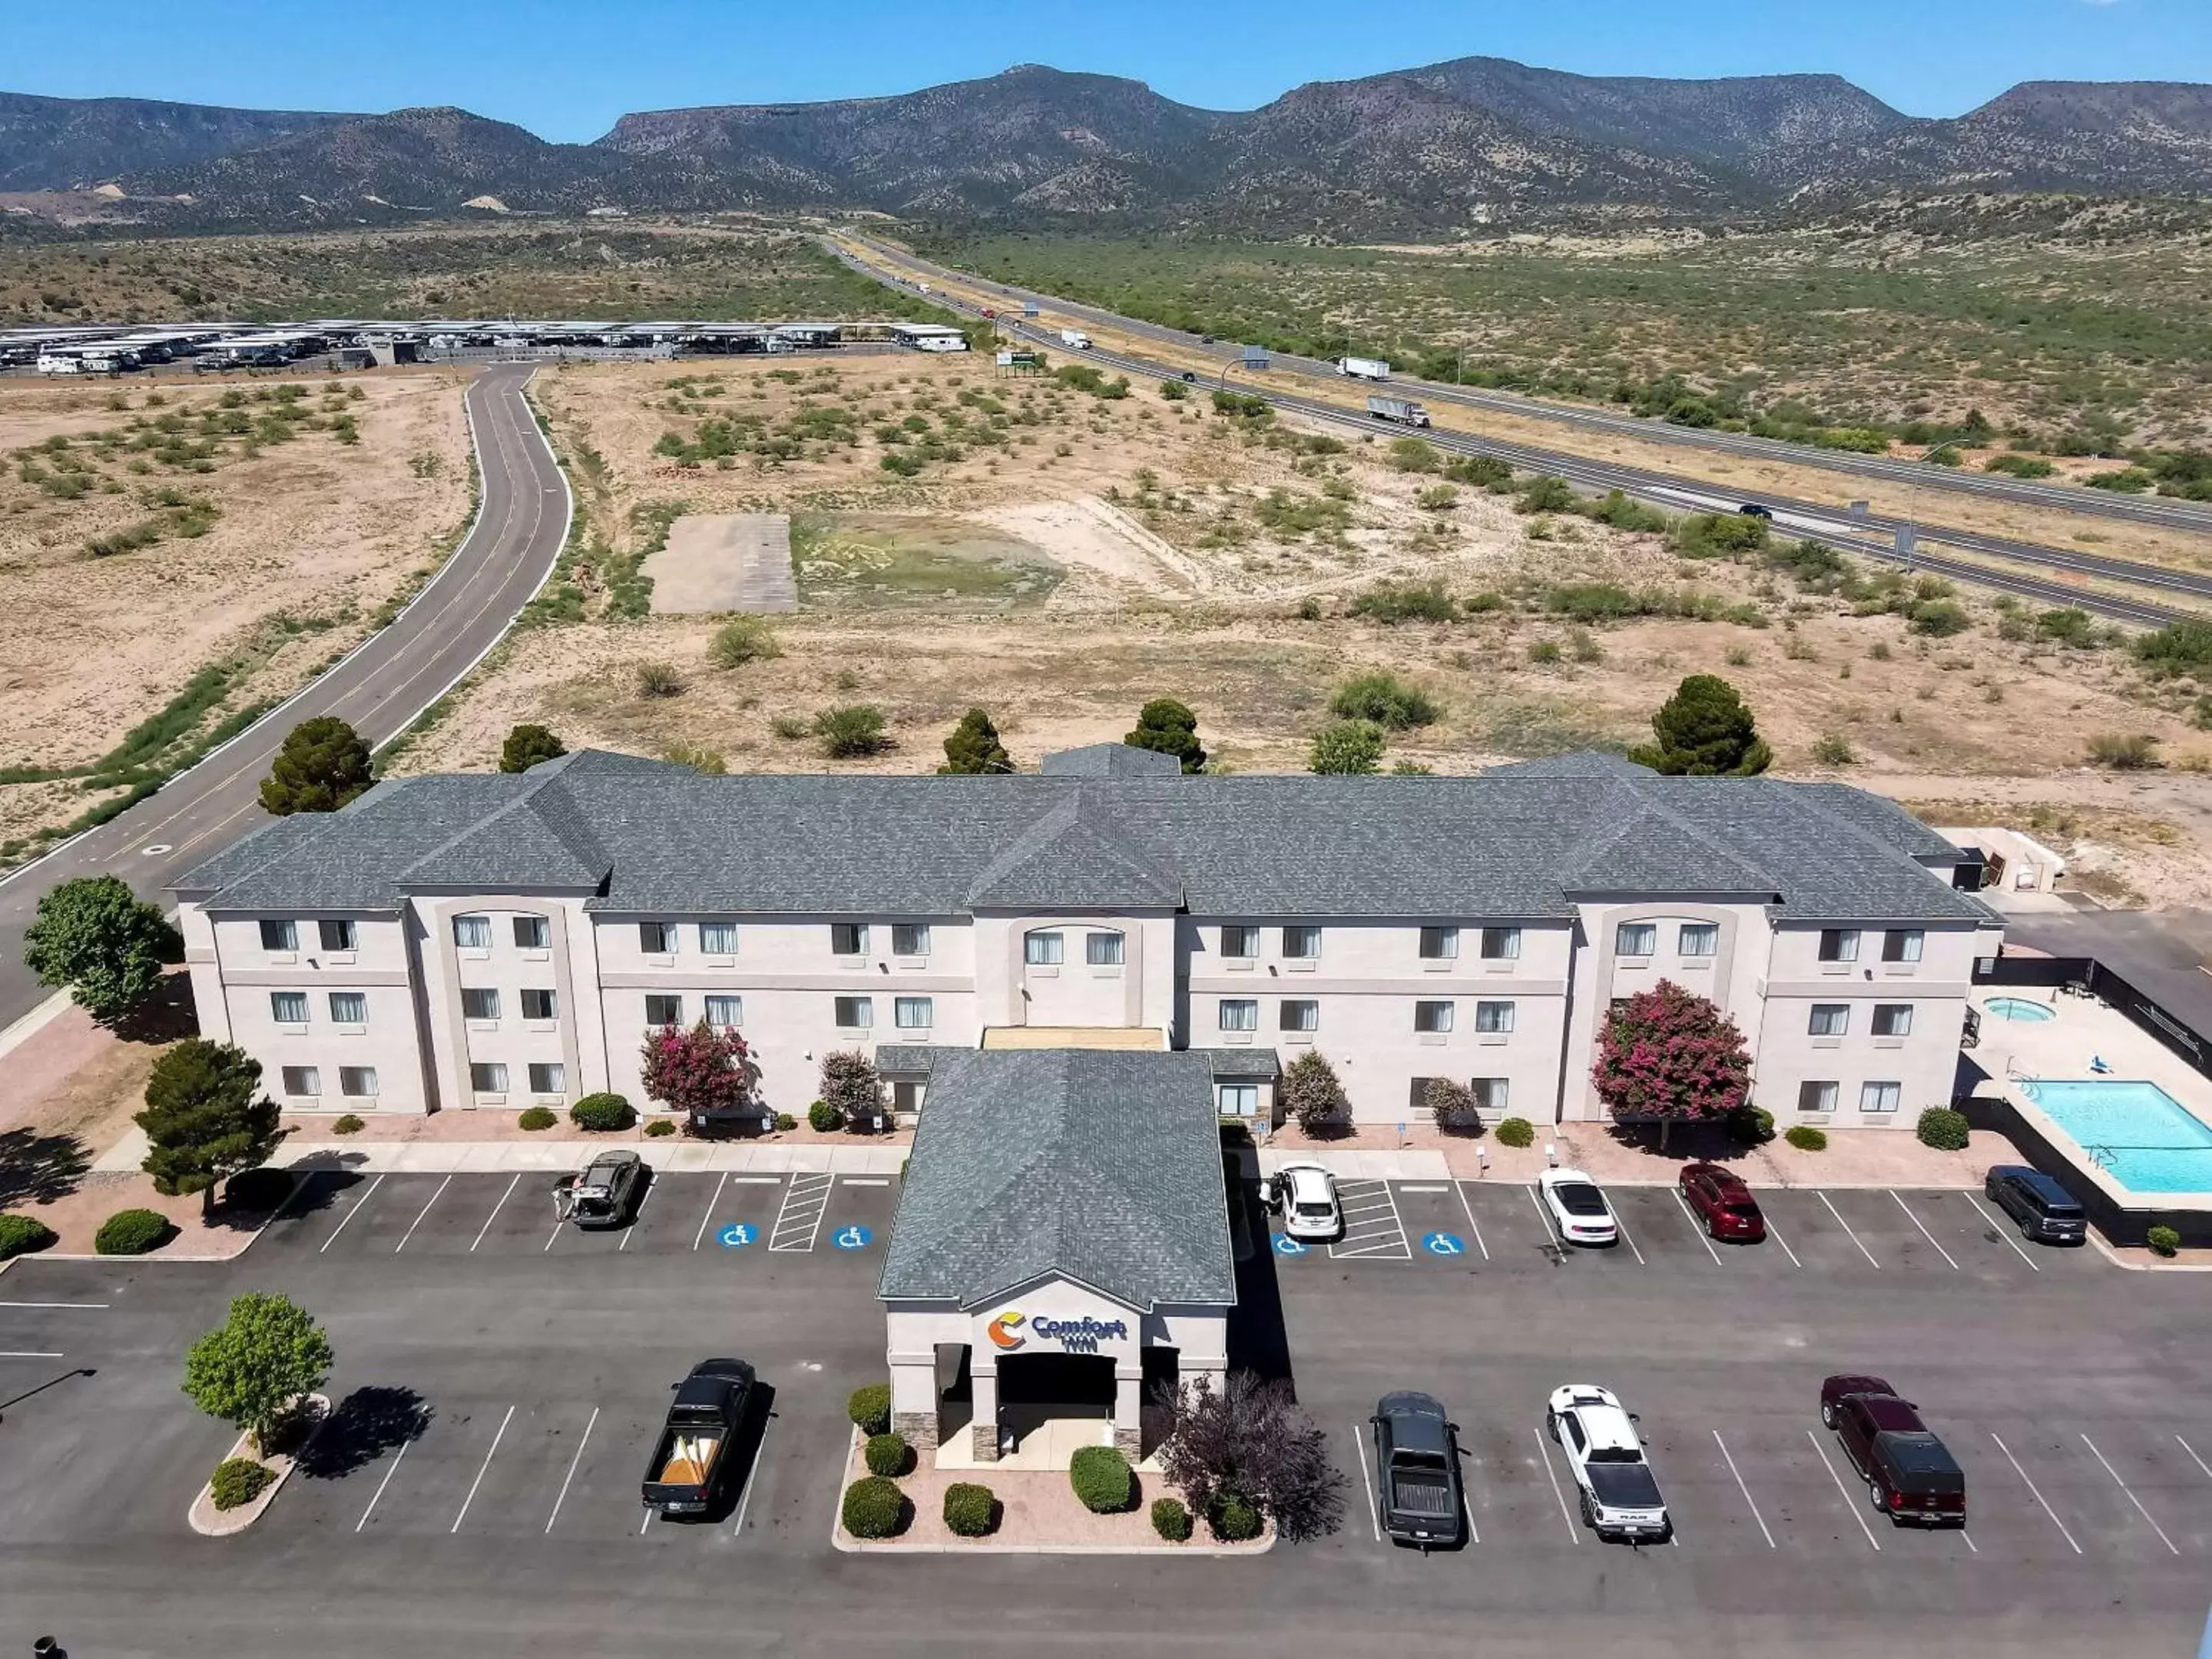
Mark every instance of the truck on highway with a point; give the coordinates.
(689, 1464)
(1404, 410)
(1075, 339)
(1362, 368)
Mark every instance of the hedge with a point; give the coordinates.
(1750, 1125)
(19, 1235)
(822, 1117)
(239, 1480)
(351, 1124)
(1806, 1139)
(887, 1455)
(1172, 1520)
(538, 1117)
(874, 1508)
(870, 1408)
(1944, 1129)
(970, 1510)
(1515, 1131)
(2163, 1241)
(601, 1112)
(1102, 1479)
(132, 1232)
(661, 1125)
(1233, 1520)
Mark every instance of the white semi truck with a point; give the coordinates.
(1362, 368)
(1075, 339)
(1404, 410)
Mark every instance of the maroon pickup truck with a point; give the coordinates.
(1909, 1473)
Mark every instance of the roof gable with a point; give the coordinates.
(1075, 856)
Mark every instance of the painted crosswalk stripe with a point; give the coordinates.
(799, 1221)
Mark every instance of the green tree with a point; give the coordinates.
(1169, 727)
(205, 1117)
(526, 745)
(1310, 1092)
(97, 937)
(1703, 731)
(323, 765)
(256, 1368)
(1347, 748)
(974, 747)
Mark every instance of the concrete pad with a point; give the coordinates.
(723, 562)
(125, 1156)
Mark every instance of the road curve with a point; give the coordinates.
(2097, 503)
(380, 687)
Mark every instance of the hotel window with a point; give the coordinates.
(488, 1077)
(1902, 944)
(856, 1013)
(1432, 1018)
(279, 936)
(1501, 944)
(288, 1007)
(1698, 938)
(1880, 1096)
(1636, 938)
(479, 1002)
(1839, 945)
(1491, 1094)
(1892, 1019)
(1829, 1019)
(910, 938)
(304, 1080)
(662, 1010)
(913, 1013)
(1439, 944)
(1816, 1096)
(532, 934)
(473, 933)
(725, 1011)
(657, 938)
(717, 938)
(1495, 1018)
(1299, 1017)
(848, 938)
(1301, 944)
(1102, 950)
(1043, 949)
(357, 1081)
(1239, 1099)
(349, 1008)
(1240, 1014)
(540, 1004)
(1240, 943)
(548, 1079)
(337, 935)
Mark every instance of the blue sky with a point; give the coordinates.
(565, 69)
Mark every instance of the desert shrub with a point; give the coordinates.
(785, 1121)
(1172, 1520)
(1515, 1131)
(1750, 1125)
(539, 1117)
(1938, 618)
(1233, 1520)
(855, 730)
(132, 1232)
(2163, 1241)
(1346, 749)
(887, 1454)
(602, 1112)
(1546, 495)
(661, 1125)
(743, 640)
(1833, 751)
(239, 1480)
(351, 1124)
(1942, 1128)
(1806, 1139)
(1384, 699)
(1102, 1479)
(659, 679)
(19, 1235)
(1398, 602)
(2131, 752)
(2179, 648)
(970, 1510)
(2018, 466)
(870, 1408)
(874, 1508)
(822, 1117)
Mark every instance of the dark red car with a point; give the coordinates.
(1718, 1198)
(1910, 1474)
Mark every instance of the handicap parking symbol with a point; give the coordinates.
(738, 1233)
(851, 1238)
(1287, 1246)
(1443, 1244)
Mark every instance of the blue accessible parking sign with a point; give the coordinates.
(736, 1234)
(1443, 1244)
(1285, 1246)
(851, 1238)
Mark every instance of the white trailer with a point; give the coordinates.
(1362, 368)
(1404, 410)
(53, 365)
(1075, 339)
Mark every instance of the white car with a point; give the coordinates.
(1576, 1208)
(1620, 1495)
(1307, 1197)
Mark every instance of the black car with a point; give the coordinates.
(1418, 1500)
(2045, 1210)
(1754, 510)
(605, 1193)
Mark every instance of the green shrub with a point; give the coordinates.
(2020, 466)
(659, 679)
(850, 731)
(785, 1122)
(539, 1117)
(132, 1232)
(822, 1117)
(1234, 1520)
(351, 1124)
(661, 1125)
(19, 1235)
(1939, 618)
(1833, 751)
(1945, 1130)
(1398, 602)
(1172, 1520)
(874, 1508)
(239, 1480)
(1750, 1125)
(1515, 1131)
(970, 1510)
(870, 1408)
(1384, 699)
(2163, 1241)
(743, 640)
(601, 1112)
(2134, 751)
(887, 1454)
(1806, 1139)
(1102, 1479)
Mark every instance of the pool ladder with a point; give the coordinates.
(2103, 1157)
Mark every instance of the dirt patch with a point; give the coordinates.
(870, 559)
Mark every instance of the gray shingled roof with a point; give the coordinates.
(644, 837)
(1110, 760)
(1100, 1167)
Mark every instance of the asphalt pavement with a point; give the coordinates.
(392, 677)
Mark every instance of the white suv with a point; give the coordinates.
(1619, 1497)
(1308, 1198)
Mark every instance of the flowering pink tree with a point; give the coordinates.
(1670, 1054)
(707, 1068)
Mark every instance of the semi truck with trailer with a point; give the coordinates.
(1362, 368)
(1404, 410)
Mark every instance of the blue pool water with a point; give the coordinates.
(2154, 1145)
(2019, 1008)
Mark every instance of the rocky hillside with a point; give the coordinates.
(62, 143)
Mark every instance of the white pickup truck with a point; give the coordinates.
(1619, 1496)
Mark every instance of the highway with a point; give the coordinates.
(464, 610)
(2097, 503)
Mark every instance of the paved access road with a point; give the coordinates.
(2142, 510)
(380, 688)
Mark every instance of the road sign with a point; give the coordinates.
(1286, 1245)
(1858, 511)
(1905, 541)
(1255, 357)
(1028, 308)
(737, 1234)
(851, 1238)
(1443, 1244)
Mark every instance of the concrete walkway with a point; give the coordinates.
(673, 1154)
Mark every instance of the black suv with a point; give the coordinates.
(2045, 1210)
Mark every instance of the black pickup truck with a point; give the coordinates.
(690, 1461)
(1417, 1472)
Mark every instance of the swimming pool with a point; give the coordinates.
(2138, 1134)
(2019, 1008)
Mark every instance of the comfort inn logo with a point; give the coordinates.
(1005, 1332)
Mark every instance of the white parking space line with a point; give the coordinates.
(55, 1304)
(1472, 1225)
(1367, 1479)
(2169, 1543)
(1925, 1234)
(29, 1353)
(1372, 1226)
(746, 1492)
(1544, 1456)
(1703, 1239)
(2193, 1457)
(1467, 1514)
(709, 1215)
(351, 1214)
(391, 1469)
(643, 1524)
(2003, 1231)
(636, 1216)
(1863, 1251)
(1745, 1490)
(2034, 1492)
(867, 1181)
(496, 1209)
(483, 1469)
(1842, 1490)
(419, 1214)
(1543, 1216)
(799, 1219)
(582, 1441)
(755, 1181)
(1628, 1239)
(1405, 1188)
(554, 1235)
(1775, 1233)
